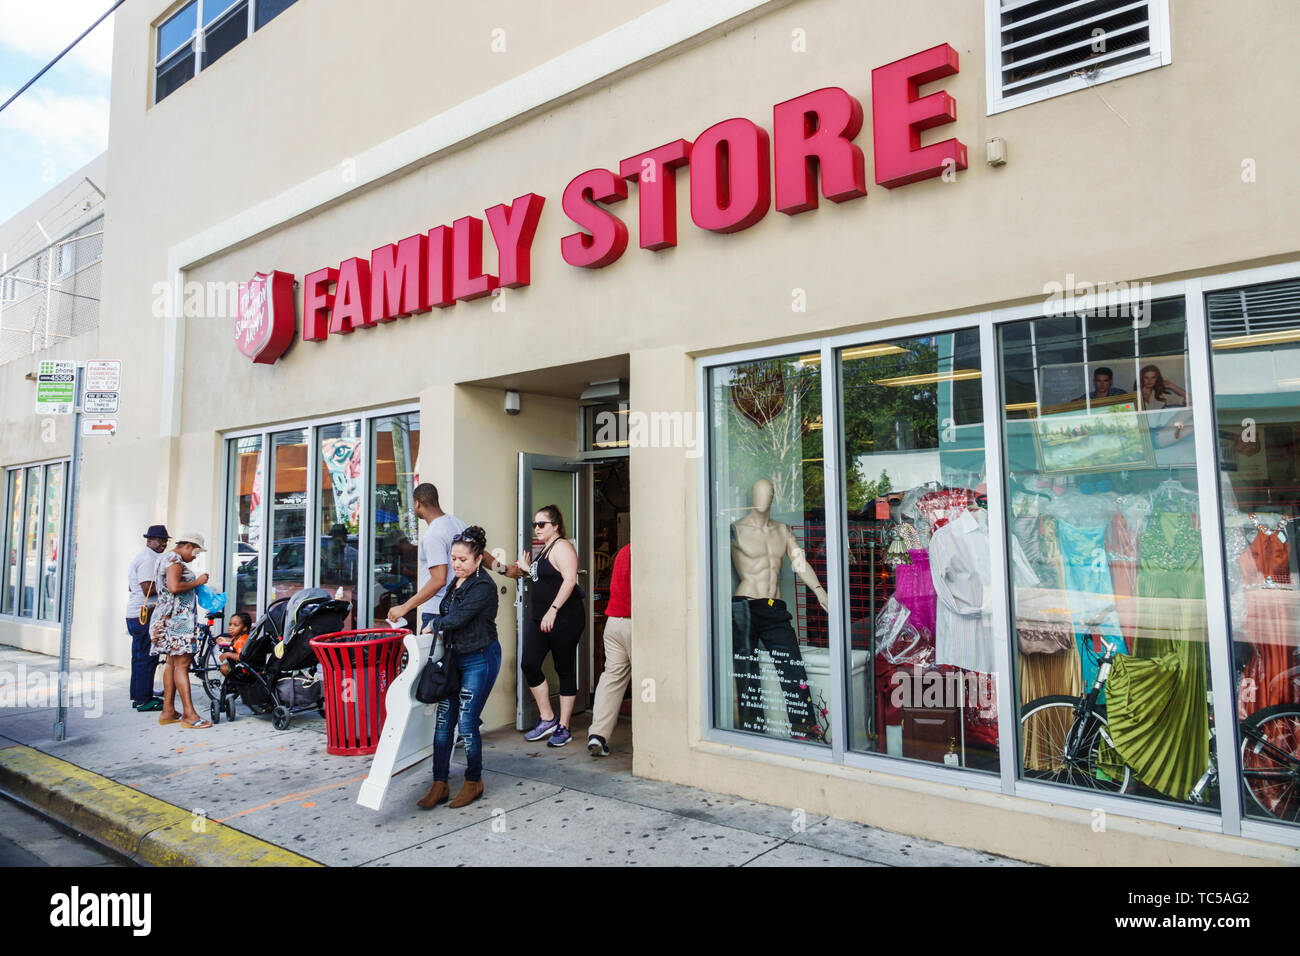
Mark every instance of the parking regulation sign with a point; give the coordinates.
(99, 403)
(56, 384)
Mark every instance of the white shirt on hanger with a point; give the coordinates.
(960, 563)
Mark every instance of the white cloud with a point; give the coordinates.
(42, 29)
(69, 130)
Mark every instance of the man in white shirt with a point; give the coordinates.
(140, 594)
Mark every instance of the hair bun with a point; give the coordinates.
(478, 534)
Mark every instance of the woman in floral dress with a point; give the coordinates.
(172, 629)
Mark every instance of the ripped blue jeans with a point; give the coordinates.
(478, 672)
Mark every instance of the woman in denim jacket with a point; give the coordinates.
(467, 619)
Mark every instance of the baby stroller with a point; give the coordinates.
(276, 670)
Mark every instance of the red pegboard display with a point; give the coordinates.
(871, 582)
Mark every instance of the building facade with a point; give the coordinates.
(938, 362)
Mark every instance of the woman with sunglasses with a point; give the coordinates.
(555, 624)
(467, 619)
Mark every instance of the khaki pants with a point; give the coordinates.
(613, 683)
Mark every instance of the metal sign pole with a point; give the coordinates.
(69, 550)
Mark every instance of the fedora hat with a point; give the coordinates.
(157, 531)
(192, 537)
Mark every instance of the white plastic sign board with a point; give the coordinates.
(99, 403)
(56, 384)
(102, 427)
(103, 376)
(407, 737)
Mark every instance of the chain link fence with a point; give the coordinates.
(53, 294)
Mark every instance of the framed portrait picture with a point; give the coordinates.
(1112, 437)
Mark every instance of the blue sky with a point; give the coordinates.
(61, 123)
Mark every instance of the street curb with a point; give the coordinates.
(142, 828)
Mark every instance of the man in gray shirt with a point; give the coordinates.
(434, 558)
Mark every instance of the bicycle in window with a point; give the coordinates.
(1067, 740)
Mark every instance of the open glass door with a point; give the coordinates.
(545, 480)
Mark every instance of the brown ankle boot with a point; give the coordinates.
(472, 790)
(437, 794)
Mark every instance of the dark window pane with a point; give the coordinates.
(223, 37)
(172, 75)
(268, 10)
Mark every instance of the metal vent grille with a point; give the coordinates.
(1254, 310)
(1043, 42)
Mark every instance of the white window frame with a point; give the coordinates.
(364, 529)
(6, 527)
(1228, 819)
(1160, 55)
(195, 43)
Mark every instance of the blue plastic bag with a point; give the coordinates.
(209, 600)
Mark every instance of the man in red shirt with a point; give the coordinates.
(618, 656)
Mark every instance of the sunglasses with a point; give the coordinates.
(542, 524)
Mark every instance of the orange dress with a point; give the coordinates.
(1270, 623)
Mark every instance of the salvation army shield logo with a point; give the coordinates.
(265, 325)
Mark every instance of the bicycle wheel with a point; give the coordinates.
(1270, 761)
(207, 668)
(1048, 725)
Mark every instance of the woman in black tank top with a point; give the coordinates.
(556, 619)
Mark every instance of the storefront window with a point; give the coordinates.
(340, 464)
(770, 643)
(396, 444)
(244, 521)
(49, 587)
(922, 666)
(1255, 349)
(31, 543)
(9, 600)
(288, 545)
(1107, 576)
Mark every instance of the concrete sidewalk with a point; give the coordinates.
(265, 789)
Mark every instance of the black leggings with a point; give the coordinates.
(561, 643)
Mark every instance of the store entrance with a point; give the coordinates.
(593, 495)
(611, 526)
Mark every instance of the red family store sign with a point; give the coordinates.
(737, 171)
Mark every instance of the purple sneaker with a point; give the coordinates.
(560, 737)
(544, 728)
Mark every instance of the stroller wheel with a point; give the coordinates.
(215, 713)
(280, 718)
(230, 708)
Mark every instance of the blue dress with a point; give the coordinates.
(1088, 589)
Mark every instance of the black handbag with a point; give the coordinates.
(439, 680)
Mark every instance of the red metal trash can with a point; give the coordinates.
(357, 667)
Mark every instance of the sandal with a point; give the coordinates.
(168, 720)
(200, 724)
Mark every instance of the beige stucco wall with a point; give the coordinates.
(1136, 179)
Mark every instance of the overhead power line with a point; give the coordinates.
(45, 69)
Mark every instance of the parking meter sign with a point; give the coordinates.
(56, 385)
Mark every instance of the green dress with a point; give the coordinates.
(1156, 698)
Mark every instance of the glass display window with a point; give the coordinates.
(244, 534)
(395, 532)
(771, 654)
(288, 544)
(1107, 577)
(921, 666)
(340, 459)
(1255, 356)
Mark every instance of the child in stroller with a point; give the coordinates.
(232, 642)
(275, 670)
